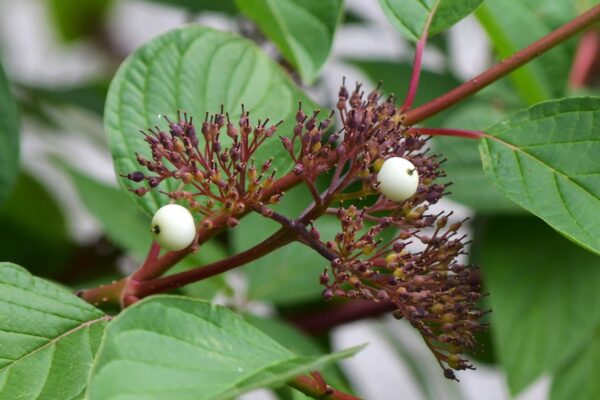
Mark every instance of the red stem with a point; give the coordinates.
(586, 57)
(450, 132)
(418, 60)
(273, 242)
(311, 387)
(503, 68)
(104, 295)
(331, 317)
(151, 258)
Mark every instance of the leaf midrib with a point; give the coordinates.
(553, 170)
(514, 147)
(56, 339)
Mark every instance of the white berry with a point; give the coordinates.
(398, 179)
(173, 227)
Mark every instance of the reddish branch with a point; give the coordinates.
(418, 60)
(586, 60)
(324, 320)
(504, 67)
(315, 387)
(162, 264)
(450, 132)
(154, 267)
(275, 241)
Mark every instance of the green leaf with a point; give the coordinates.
(32, 219)
(198, 6)
(545, 159)
(543, 295)
(9, 137)
(48, 338)
(410, 16)
(194, 69)
(513, 25)
(578, 379)
(302, 30)
(470, 186)
(76, 19)
(170, 347)
(294, 340)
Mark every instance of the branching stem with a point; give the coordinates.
(503, 68)
(273, 242)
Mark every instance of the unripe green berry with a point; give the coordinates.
(173, 227)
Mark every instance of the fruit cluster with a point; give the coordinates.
(382, 182)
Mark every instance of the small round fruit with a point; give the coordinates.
(173, 227)
(398, 179)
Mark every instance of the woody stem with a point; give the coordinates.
(503, 68)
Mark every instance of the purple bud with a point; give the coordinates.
(232, 222)
(327, 294)
(287, 143)
(154, 181)
(270, 131)
(136, 176)
(140, 191)
(315, 233)
(324, 278)
(232, 132)
(343, 93)
(176, 130)
(235, 153)
(300, 116)
(383, 295)
(298, 169)
(298, 129)
(191, 132)
(220, 120)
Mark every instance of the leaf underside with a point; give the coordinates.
(409, 17)
(302, 30)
